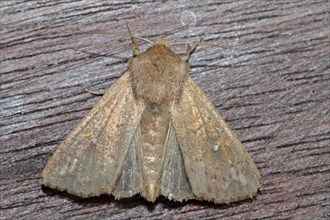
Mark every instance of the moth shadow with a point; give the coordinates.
(168, 204)
(137, 200)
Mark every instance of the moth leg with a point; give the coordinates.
(186, 56)
(136, 50)
(93, 92)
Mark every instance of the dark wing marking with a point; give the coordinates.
(130, 181)
(174, 183)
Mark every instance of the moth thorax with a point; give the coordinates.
(158, 74)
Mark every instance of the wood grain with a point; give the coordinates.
(273, 90)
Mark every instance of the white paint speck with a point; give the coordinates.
(188, 18)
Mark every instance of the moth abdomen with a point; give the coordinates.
(154, 125)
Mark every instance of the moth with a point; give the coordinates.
(154, 132)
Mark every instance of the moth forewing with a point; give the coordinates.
(90, 160)
(218, 167)
(154, 132)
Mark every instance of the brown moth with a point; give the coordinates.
(154, 132)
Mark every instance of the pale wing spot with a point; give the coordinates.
(242, 178)
(151, 159)
(63, 170)
(73, 165)
(221, 142)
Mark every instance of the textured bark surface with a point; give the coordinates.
(273, 91)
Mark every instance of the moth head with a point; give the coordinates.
(161, 41)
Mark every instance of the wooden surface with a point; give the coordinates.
(273, 91)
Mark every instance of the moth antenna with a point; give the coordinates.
(144, 39)
(118, 35)
(187, 55)
(98, 93)
(136, 50)
(208, 44)
(222, 46)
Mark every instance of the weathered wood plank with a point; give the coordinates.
(273, 91)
